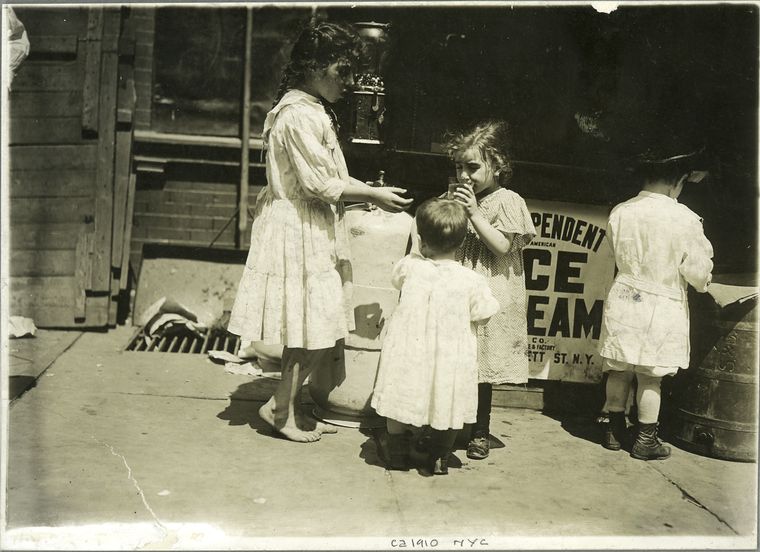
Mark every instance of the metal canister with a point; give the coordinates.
(716, 398)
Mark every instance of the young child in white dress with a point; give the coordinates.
(660, 249)
(428, 373)
(295, 284)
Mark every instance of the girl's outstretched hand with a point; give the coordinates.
(388, 199)
(466, 197)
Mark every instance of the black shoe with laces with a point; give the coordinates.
(647, 446)
(616, 432)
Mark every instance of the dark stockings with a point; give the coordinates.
(481, 428)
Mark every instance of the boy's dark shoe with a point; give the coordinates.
(616, 432)
(647, 446)
(478, 448)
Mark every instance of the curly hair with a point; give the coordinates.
(441, 224)
(316, 47)
(492, 139)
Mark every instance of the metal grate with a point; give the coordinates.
(214, 340)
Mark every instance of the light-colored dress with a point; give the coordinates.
(295, 288)
(428, 369)
(503, 342)
(660, 248)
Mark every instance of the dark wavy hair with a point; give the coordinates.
(494, 141)
(316, 47)
(441, 224)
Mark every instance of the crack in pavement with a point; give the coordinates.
(168, 537)
(161, 395)
(391, 483)
(137, 486)
(691, 498)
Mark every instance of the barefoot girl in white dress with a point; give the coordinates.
(294, 287)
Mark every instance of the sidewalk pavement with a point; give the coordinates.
(124, 450)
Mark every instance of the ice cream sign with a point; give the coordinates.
(569, 268)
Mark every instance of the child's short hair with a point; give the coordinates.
(441, 224)
(492, 139)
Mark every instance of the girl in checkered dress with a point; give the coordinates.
(499, 228)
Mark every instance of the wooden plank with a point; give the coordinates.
(92, 73)
(104, 180)
(53, 291)
(52, 157)
(35, 103)
(121, 184)
(96, 311)
(124, 277)
(49, 301)
(42, 262)
(122, 169)
(111, 29)
(48, 76)
(54, 44)
(82, 269)
(59, 235)
(53, 130)
(46, 183)
(62, 316)
(46, 316)
(113, 304)
(37, 209)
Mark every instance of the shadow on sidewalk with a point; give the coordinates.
(377, 441)
(583, 427)
(245, 412)
(18, 385)
(246, 400)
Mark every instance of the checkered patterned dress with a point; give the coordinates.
(503, 342)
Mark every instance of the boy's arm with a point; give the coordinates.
(696, 265)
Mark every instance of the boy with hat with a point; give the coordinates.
(660, 248)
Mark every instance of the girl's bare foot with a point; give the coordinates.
(310, 423)
(289, 429)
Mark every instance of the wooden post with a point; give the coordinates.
(104, 176)
(91, 82)
(245, 131)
